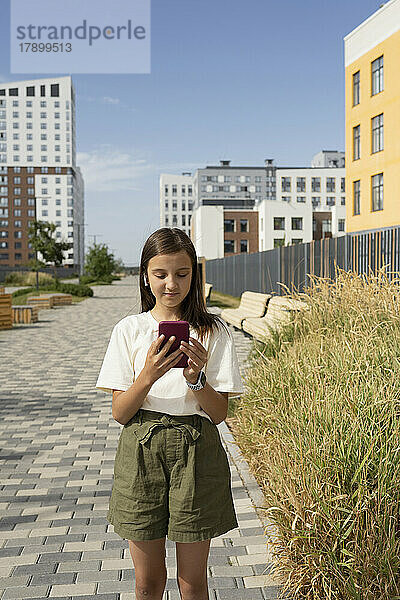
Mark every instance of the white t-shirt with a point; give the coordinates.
(126, 354)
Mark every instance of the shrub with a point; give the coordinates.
(319, 426)
(65, 288)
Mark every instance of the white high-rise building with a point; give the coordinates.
(38, 173)
(176, 201)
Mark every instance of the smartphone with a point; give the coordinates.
(180, 329)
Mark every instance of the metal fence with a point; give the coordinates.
(292, 265)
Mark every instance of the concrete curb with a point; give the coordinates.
(248, 479)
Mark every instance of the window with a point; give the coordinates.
(356, 88)
(17, 212)
(43, 125)
(243, 245)
(343, 184)
(17, 179)
(31, 191)
(30, 90)
(356, 197)
(301, 199)
(286, 184)
(356, 142)
(341, 223)
(244, 225)
(57, 115)
(377, 191)
(17, 191)
(286, 198)
(166, 190)
(316, 184)
(44, 202)
(30, 170)
(326, 226)
(42, 90)
(13, 92)
(44, 169)
(330, 201)
(316, 201)
(31, 213)
(17, 169)
(43, 104)
(229, 225)
(18, 223)
(377, 133)
(377, 76)
(343, 201)
(45, 213)
(297, 223)
(174, 190)
(43, 115)
(278, 242)
(229, 246)
(54, 89)
(330, 184)
(279, 223)
(301, 184)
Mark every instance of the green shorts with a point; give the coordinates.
(171, 477)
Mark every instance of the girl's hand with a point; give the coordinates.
(156, 364)
(197, 359)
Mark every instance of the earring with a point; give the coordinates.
(146, 283)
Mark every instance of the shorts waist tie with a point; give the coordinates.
(145, 431)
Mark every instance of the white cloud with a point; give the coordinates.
(109, 100)
(107, 169)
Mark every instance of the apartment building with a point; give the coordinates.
(372, 56)
(38, 173)
(239, 209)
(304, 203)
(176, 201)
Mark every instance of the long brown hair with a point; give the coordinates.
(169, 240)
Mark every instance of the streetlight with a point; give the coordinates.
(81, 260)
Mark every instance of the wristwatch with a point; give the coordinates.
(200, 383)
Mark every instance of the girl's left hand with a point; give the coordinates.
(197, 359)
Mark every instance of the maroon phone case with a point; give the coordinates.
(180, 329)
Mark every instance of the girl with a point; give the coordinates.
(171, 471)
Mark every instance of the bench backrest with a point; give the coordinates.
(278, 304)
(253, 304)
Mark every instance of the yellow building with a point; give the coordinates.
(372, 66)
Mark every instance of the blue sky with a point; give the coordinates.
(232, 80)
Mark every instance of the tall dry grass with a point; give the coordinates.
(319, 426)
(27, 278)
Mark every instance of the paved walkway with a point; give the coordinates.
(57, 448)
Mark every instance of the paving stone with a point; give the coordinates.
(57, 448)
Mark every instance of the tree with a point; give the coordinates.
(40, 235)
(99, 261)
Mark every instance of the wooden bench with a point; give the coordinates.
(41, 301)
(24, 313)
(5, 311)
(61, 299)
(280, 310)
(207, 291)
(252, 304)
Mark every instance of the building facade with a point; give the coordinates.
(372, 56)
(39, 178)
(249, 209)
(176, 201)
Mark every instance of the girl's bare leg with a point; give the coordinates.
(192, 569)
(150, 570)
